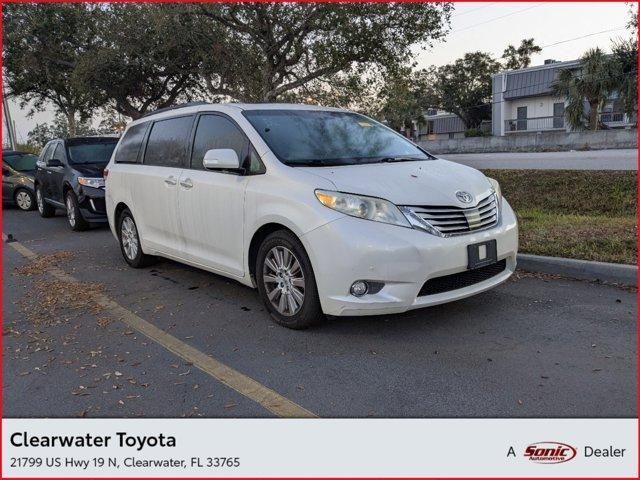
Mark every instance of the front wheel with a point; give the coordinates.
(286, 282)
(24, 199)
(44, 208)
(74, 215)
(130, 241)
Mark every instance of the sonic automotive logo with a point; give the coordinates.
(550, 452)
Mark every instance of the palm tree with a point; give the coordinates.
(593, 82)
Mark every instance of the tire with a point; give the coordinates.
(24, 199)
(44, 208)
(290, 293)
(130, 241)
(74, 216)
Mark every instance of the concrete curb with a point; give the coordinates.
(580, 269)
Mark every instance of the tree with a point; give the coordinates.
(624, 68)
(269, 50)
(42, 45)
(520, 57)
(465, 87)
(136, 70)
(593, 82)
(406, 95)
(59, 128)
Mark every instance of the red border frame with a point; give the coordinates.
(308, 477)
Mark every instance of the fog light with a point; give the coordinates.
(359, 288)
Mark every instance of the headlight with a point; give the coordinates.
(369, 208)
(91, 182)
(496, 188)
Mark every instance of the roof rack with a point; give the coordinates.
(175, 107)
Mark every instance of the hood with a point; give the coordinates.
(429, 182)
(90, 169)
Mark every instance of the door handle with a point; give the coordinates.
(186, 183)
(170, 180)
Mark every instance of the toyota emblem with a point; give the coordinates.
(464, 197)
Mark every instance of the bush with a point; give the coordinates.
(474, 132)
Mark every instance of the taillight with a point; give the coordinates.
(105, 173)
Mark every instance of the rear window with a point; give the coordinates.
(22, 162)
(168, 142)
(131, 142)
(94, 152)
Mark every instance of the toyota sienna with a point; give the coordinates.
(323, 210)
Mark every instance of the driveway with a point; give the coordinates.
(574, 160)
(533, 347)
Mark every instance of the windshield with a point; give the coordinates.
(83, 153)
(22, 162)
(315, 137)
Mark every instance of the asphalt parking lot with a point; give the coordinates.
(535, 346)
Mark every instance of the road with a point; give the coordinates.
(533, 347)
(575, 160)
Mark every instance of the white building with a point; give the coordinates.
(523, 102)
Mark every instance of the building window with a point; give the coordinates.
(522, 118)
(451, 135)
(558, 115)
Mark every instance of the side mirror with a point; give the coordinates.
(221, 159)
(54, 162)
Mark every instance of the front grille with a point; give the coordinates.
(455, 281)
(456, 220)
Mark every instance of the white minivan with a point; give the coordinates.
(324, 210)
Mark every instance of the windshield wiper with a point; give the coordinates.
(400, 159)
(309, 163)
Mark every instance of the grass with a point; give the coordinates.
(590, 215)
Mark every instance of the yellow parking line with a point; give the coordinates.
(247, 386)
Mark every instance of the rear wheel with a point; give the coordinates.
(24, 199)
(74, 216)
(44, 208)
(130, 241)
(286, 282)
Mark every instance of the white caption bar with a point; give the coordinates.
(319, 448)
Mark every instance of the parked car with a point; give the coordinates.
(325, 211)
(69, 177)
(18, 170)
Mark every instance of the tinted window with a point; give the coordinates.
(22, 162)
(48, 151)
(215, 131)
(58, 153)
(130, 144)
(311, 137)
(168, 141)
(97, 153)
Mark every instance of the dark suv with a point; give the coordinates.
(69, 177)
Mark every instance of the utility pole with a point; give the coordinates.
(9, 125)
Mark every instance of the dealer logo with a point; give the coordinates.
(550, 452)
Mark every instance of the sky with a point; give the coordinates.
(490, 27)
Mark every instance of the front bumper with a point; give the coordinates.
(92, 204)
(350, 249)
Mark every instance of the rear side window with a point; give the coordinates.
(58, 154)
(168, 142)
(130, 144)
(215, 131)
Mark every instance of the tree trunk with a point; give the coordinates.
(71, 122)
(593, 115)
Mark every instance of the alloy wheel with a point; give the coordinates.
(71, 211)
(39, 200)
(129, 235)
(284, 280)
(23, 199)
